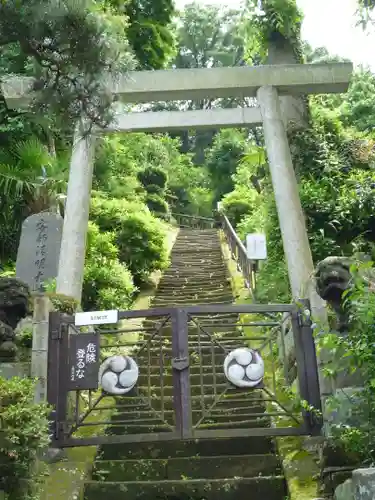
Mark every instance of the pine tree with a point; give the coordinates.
(69, 46)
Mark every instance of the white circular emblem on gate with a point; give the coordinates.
(118, 374)
(244, 367)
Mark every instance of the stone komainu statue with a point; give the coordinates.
(14, 306)
(332, 279)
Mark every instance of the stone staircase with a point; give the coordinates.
(210, 469)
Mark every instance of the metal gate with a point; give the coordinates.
(183, 373)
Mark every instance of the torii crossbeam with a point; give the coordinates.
(266, 83)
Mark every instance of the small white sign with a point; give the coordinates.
(256, 246)
(96, 318)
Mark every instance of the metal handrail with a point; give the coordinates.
(239, 254)
(192, 221)
(198, 217)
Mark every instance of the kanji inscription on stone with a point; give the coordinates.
(39, 249)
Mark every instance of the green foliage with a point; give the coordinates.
(153, 176)
(358, 109)
(277, 20)
(115, 169)
(209, 36)
(154, 189)
(67, 45)
(24, 434)
(109, 213)
(108, 283)
(31, 180)
(319, 55)
(272, 278)
(222, 160)
(366, 8)
(238, 204)
(149, 32)
(30, 172)
(121, 161)
(358, 348)
(24, 338)
(157, 204)
(63, 303)
(141, 243)
(188, 185)
(137, 234)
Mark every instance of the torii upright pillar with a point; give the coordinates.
(73, 242)
(288, 204)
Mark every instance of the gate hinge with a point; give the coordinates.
(60, 428)
(57, 332)
(180, 364)
(304, 317)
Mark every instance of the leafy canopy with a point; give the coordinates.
(68, 46)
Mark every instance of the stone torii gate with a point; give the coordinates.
(266, 83)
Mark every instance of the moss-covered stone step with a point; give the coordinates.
(194, 369)
(194, 286)
(196, 357)
(272, 487)
(208, 333)
(202, 296)
(204, 319)
(189, 302)
(206, 283)
(195, 379)
(197, 271)
(227, 406)
(190, 269)
(195, 390)
(173, 449)
(204, 276)
(218, 413)
(205, 258)
(199, 290)
(191, 467)
(130, 425)
(205, 342)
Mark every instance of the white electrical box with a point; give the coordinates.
(256, 246)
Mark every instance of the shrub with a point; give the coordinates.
(109, 214)
(63, 303)
(356, 434)
(153, 176)
(238, 204)
(24, 435)
(156, 204)
(141, 242)
(143, 251)
(107, 283)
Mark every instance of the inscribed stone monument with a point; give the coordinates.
(39, 249)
